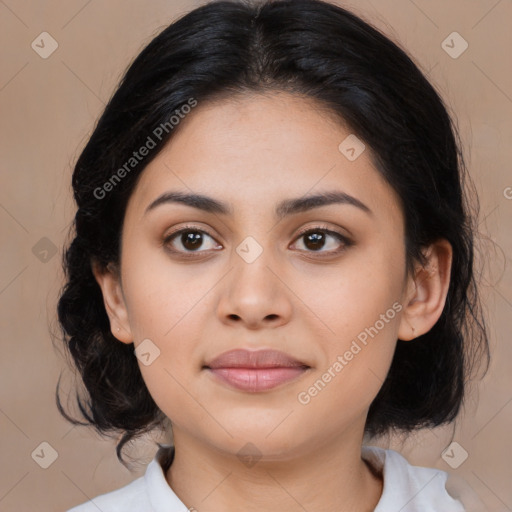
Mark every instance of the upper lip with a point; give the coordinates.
(243, 358)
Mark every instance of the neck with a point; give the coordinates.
(323, 478)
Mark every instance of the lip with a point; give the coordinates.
(254, 371)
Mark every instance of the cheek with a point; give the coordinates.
(170, 376)
(161, 293)
(166, 304)
(359, 311)
(352, 296)
(357, 362)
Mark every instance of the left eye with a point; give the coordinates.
(317, 238)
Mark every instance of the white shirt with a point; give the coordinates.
(406, 488)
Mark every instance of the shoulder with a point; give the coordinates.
(410, 488)
(148, 493)
(132, 497)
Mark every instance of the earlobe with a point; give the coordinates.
(109, 281)
(427, 291)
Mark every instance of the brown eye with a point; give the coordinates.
(317, 239)
(314, 240)
(189, 240)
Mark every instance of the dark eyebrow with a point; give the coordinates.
(284, 208)
(302, 204)
(201, 202)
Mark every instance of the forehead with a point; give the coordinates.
(253, 151)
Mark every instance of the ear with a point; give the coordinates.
(426, 291)
(109, 280)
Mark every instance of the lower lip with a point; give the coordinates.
(257, 379)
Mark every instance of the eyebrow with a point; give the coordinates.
(283, 209)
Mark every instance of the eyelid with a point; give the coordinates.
(187, 227)
(344, 240)
(321, 227)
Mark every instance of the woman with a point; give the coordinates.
(273, 257)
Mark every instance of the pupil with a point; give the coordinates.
(317, 240)
(192, 240)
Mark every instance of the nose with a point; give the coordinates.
(255, 295)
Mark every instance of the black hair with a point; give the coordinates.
(316, 50)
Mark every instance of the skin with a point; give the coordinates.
(252, 152)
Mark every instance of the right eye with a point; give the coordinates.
(187, 240)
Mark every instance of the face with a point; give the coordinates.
(249, 278)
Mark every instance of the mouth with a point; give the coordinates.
(255, 371)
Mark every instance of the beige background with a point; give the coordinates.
(49, 106)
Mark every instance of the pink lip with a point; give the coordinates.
(255, 370)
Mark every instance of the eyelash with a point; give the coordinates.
(317, 229)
